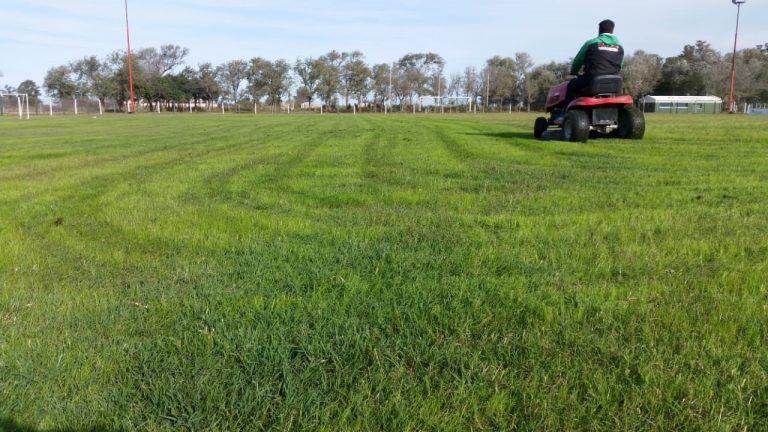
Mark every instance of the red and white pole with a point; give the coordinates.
(132, 102)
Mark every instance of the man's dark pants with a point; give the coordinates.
(575, 87)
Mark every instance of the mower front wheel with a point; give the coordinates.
(541, 126)
(631, 123)
(576, 126)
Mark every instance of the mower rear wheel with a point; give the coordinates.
(631, 123)
(576, 126)
(541, 126)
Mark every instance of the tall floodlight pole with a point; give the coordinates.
(132, 102)
(731, 101)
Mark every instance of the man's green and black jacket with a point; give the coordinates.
(603, 55)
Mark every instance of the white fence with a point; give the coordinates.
(757, 109)
(78, 106)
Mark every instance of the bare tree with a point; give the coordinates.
(642, 73)
(231, 76)
(752, 79)
(437, 83)
(402, 87)
(472, 83)
(455, 85)
(160, 62)
(524, 66)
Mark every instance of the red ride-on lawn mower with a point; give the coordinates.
(601, 111)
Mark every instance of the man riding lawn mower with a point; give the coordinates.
(591, 105)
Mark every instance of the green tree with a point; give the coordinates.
(418, 70)
(542, 77)
(93, 77)
(330, 76)
(31, 89)
(270, 79)
(501, 80)
(309, 72)
(698, 70)
(303, 96)
(205, 84)
(353, 73)
(380, 83)
(59, 83)
(356, 77)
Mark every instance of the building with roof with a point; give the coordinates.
(682, 104)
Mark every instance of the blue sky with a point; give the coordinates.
(38, 34)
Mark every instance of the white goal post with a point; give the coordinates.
(22, 102)
(439, 101)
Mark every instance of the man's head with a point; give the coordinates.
(607, 26)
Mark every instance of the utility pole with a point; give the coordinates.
(132, 102)
(439, 91)
(731, 101)
(392, 66)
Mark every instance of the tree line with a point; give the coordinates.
(338, 80)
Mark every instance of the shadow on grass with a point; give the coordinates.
(507, 135)
(9, 425)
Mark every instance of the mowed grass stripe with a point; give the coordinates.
(83, 252)
(370, 272)
(104, 204)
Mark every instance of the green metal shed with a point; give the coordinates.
(682, 104)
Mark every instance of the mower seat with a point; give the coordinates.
(604, 85)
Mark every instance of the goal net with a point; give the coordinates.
(78, 106)
(446, 103)
(14, 104)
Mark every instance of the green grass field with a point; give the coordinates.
(381, 273)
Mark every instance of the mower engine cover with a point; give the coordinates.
(556, 96)
(591, 102)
